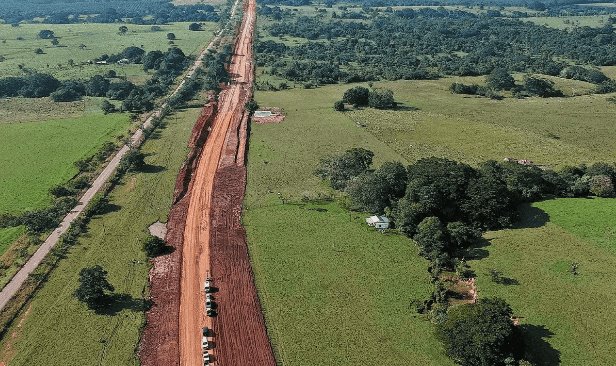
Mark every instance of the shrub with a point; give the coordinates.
(154, 246)
(601, 186)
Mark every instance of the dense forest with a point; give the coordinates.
(423, 44)
(136, 11)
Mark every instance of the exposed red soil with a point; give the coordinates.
(205, 230)
(159, 343)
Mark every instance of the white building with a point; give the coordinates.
(378, 222)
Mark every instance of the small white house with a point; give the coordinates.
(378, 222)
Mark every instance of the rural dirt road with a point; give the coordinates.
(213, 239)
(136, 140)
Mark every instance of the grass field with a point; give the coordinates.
(56, 328)
(36, 155)
(324, 279)
(326, 282)
(99, 39)
(470, 129)
(569, 317)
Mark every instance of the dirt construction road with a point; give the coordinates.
(214, 242)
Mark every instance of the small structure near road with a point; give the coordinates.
(378, 222)
(268, 115)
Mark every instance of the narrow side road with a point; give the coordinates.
(136, 140)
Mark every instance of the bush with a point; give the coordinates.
(154, 246)
(601, 186)
(65, 94)
(339, 106)
(480, 334)
(108, 107)
(357, 96)
(381, 99)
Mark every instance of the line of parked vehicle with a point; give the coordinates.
(210, 310)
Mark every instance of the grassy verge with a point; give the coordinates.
(55, 326)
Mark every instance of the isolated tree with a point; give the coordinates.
(46, 34)
(339, 106)
(480, 334)
(107, 107)
(82, 46)
(381, 99)
(123, 29)
(171, 36)
(55, 41)
(194, 27)
(154, 246)
(93, 287)
(132, 161)
(39, 51)
(357, 96)
(500, 79)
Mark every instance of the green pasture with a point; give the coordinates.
(18, 44)
(37, 155)
(324, 278)
(568, 317)
(56, 328)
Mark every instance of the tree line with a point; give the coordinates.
(113, 11)
(445, 206)
(428, 43)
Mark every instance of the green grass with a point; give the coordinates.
(324, 279)
(8, 236)
(99, 39)
(326, 282)
(461, 127)
(574, 313)
(60, 330)
(35, 156)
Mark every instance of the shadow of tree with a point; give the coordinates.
(119, 302)
(108, 208)
(537, 349)
(477, 251)
(531, 217)
(148, 168)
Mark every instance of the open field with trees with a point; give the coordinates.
(114, 240)
(86, 42)
(285, 198)
(569, 323)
